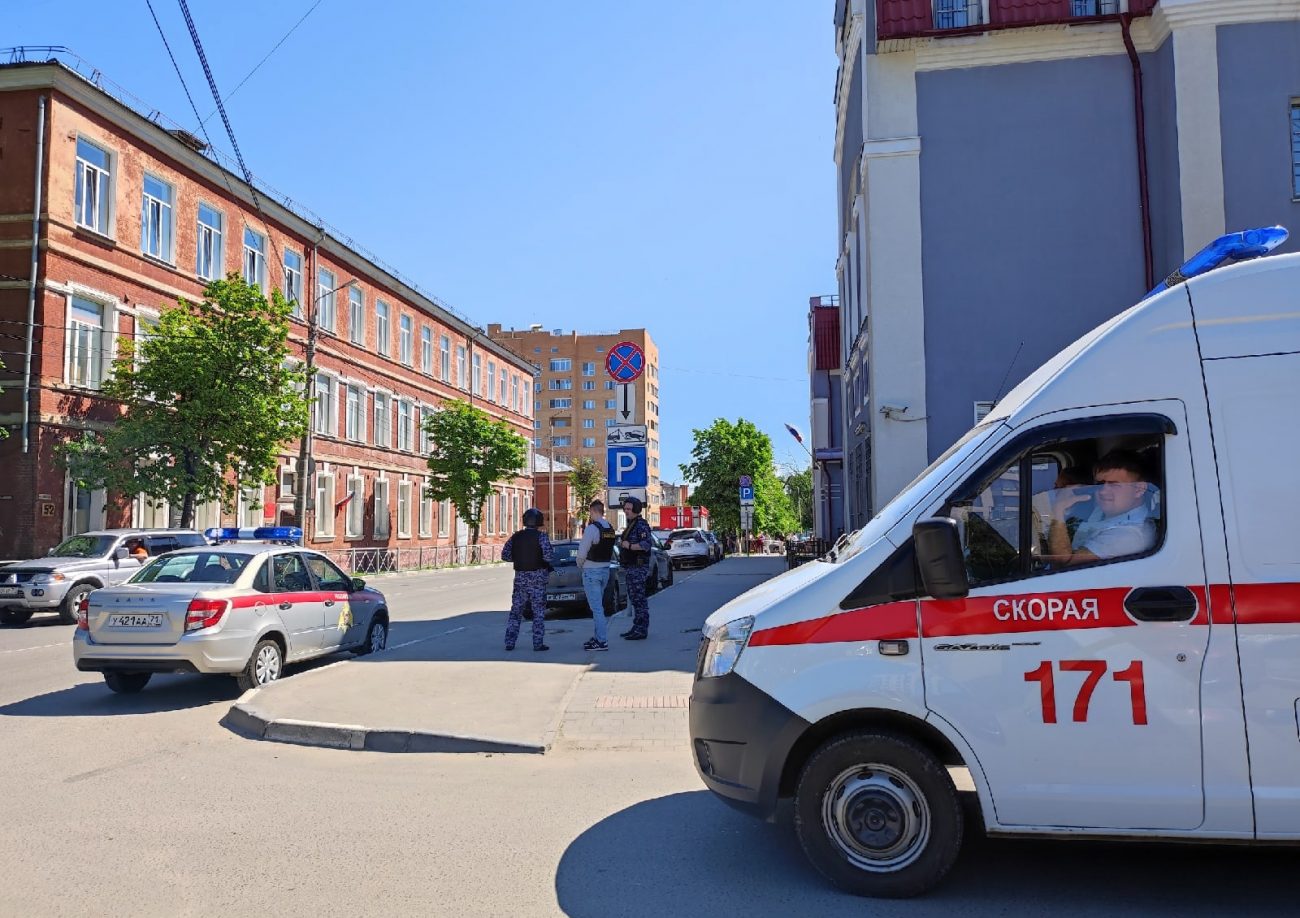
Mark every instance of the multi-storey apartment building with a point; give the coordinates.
(107, 215)
(574, 400)
(1014, 172)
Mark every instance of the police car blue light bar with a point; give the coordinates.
(259, 534)
(1241, 246)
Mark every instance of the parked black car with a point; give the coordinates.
(564, 585)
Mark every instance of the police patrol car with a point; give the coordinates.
(245, 606)
(1091, 602)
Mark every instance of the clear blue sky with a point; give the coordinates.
(582, 164)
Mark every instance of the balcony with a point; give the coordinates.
(937, 18)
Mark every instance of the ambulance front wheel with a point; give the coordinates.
(878, 815)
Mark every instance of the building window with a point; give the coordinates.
(355, 521)
(589, 385)
(1295, 147)
(325, 311)
(561, 385)
(611, 404)
(610, 385)
(207, 259)
(156, 218)
(491, 381)
(588, 423)
(381, 508)
(426, 513)
(405, 340)
(444, 518)
(293, 280)
(589, 404)
(956, 14)
(444, 357)
(86, 348)
(501, 392)
(354, 417)
(561, 403)
(383, 420)
(405, 426)
(589, 442)
(461, 370)
(254, 259)
(514, 393)
(505, 509)
(426, 350)
(325, 505)
(564, 441)
(610, 422)
(588, 368)
(561, 422)
(1094, 7)
(561, 365)
(94, 196)
(357, 316)
(327, 405)
(383, 331)
(403, 509)
(476, 384)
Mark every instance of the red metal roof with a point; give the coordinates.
(826, 337)
(912, 18)
(1028, 11)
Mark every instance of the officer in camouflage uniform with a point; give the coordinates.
(634, 559)
(531, 552)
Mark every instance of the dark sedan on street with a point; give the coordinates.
(564, 586)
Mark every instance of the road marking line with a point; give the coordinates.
(427, 638)
(38, 647)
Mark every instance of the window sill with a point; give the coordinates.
(160, 262)
(323, 537)
(94, 235)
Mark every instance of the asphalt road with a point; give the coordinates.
(146, 806)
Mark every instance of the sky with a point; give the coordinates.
(580, 163)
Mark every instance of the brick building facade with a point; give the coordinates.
(574, 398)
(134, 215)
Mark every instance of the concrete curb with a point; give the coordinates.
(245, 720)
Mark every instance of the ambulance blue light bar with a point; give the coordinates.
(259, 534)
(1241, 246)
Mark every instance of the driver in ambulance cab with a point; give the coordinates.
(1122, 525)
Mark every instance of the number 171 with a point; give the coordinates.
(1094, 670)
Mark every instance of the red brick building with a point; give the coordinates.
(133, 215)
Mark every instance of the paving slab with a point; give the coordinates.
(459, 690)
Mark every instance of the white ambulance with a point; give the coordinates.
(1091, 602)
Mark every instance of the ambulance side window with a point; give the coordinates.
(1064, 504)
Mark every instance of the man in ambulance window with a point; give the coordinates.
(1122, 524)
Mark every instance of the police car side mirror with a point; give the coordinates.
(939, 558)
(358, 584)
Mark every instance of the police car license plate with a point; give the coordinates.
(135, 621)
(10, 592)
(562, 597)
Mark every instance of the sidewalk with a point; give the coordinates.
(460, 691)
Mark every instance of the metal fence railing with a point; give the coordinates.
(797, 553)
(392, 560)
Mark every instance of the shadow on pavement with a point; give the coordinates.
(689, 854)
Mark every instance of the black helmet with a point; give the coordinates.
(533, 518)
(637, 506)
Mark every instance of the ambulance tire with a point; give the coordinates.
(878, 815)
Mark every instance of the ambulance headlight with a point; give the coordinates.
(725, 643)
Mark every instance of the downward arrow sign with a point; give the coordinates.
(626, 411)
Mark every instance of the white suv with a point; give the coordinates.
(689, 546)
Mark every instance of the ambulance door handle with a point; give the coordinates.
(1161, 604)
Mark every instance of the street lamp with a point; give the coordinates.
(305, 444)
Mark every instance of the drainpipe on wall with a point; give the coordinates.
(305, 444)
(1139, 114)
(31, 287)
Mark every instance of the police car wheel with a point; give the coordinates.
(878, 815)
(263, 667)
(376, 639)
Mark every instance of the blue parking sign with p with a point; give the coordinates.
(626, 467)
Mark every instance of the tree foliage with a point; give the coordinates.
(799, 486)
(471, 452)
(722, 453)
(210, 400)
(587, 482)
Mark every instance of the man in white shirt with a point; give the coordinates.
(1120, 527)
(595, 552)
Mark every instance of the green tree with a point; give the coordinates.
(799, 485)
(210, 399)
(722, 453)
(587, 482)
(472, 451)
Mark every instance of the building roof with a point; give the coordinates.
(542, 465)
(825, 331)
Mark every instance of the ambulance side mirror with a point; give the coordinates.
(939, 558)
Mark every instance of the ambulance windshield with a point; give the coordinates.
(888, 517)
